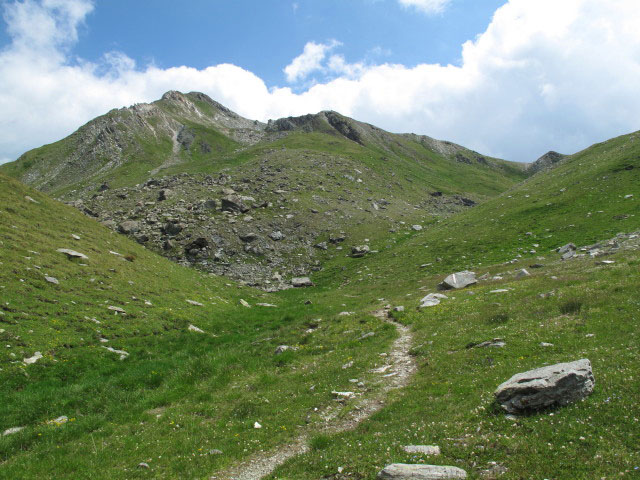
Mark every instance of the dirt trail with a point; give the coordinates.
(396, 374)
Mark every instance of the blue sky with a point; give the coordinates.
(508, 78)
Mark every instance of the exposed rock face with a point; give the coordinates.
(548, 160)
(401, 471)
(458, 280)
(558, 384)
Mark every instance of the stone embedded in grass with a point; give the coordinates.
(401, 471)
(31, 360)
(28, 198)
(495, 343)
(61, 420)
(72, 253)
(193, 302)
(566, 248)
(416, 228)
(549, 386)
(117, 310)
(398, 309)
(193, 328)
(53, 280)
(343, 395)
(143, 465)
(500, 290)
(122, 353)
(283, 348)
(459, 280)
(244, 303)
(266, 305)
(257, 425)
(523, 273)
(423, 449)
(276, 236)
(11, 431)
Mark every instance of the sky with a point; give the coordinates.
(511, 79)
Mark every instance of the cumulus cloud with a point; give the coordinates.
(426, 6)
(309, 61)
(544, 75)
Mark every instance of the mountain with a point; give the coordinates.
(257, 202)
(547, 160)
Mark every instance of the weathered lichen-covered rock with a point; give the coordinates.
(401, 471)
(558, 384)
(459, 280)
(299, 282)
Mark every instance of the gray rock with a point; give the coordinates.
(566, 248)
(130, 226)
(248, 237)
(283, 348)
(569, 254)
(72, 253)
(553, 385)
(523, 273)
(431, 300)
(359, 251)
(276, 236)
(459, 280)
(423, 449)
(164, 194)
(172, 228)
(495, 343)
(53, 280)
(416, 228)
(233, 203)
(299, 282)
(321, 246)
(399, 308)
(11, 431)
(401, 471)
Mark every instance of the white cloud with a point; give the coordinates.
(426, 6)
(544, 75)
(309, 61)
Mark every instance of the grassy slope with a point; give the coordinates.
(209, 388)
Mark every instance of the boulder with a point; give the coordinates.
(164, 194)
(459, 280)
(129, 226)
(401, 471)
(299, 282)
(233, 203)
(210, 204)
(248, 237)
(553, 385)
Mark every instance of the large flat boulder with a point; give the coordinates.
(402, 471)
(558, 384)
(459, 280)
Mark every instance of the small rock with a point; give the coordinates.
(495, 343)
(122, 353)
(266, 305)
(399, 308)
(276, 236)
(423, 449)
(130, 226)
(283, 348)
(117, 310)
(343, 395)
(31, 360)
(431, 300)
(359, 251)
(72, 253)
(58, 421)
(28, 198)
(143, 465)
(523, 273)
(545, 344)
(193, 328)
(367, 335)
(256, 425)
(53, 280)
(193, 302)
(244, 303)
(416, 228)
(11, 431)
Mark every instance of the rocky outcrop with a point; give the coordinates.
(549, 386)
